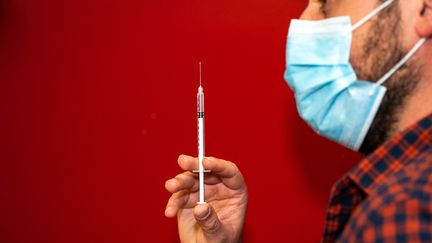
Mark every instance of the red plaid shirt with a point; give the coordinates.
(387, 197)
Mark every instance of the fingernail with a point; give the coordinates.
(167, 210)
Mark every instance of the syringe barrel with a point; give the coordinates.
(200, 109)
(200, 103)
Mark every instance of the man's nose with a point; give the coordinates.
(313, 11)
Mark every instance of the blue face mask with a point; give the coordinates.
(328, 94)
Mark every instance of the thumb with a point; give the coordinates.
(207, 219)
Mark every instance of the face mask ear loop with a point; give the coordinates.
(399, 64)
(372, 14)
(402, 62)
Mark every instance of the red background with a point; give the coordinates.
(97, 100)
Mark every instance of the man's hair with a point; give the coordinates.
(382, 51)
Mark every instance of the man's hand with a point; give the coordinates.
(221, 219)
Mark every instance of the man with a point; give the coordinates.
(387, 197)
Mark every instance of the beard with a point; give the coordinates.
(381, 51)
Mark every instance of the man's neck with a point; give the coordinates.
(417, 106)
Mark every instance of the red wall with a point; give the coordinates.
(97, 100)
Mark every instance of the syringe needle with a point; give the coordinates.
(200, 77)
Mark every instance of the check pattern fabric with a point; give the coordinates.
(387, 197)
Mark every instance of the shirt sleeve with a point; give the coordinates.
(405, 221)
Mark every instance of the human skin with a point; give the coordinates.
(416, 23)
(222, 218)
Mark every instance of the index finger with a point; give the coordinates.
(187, 162)
(226, 170)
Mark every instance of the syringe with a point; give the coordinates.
(200, 109)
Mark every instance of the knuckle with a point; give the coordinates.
(179, 200)
(176, 198)
(171, 201)
(178, 177)
(181, 178)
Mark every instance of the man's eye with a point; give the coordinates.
(323, 6)
(323, 2)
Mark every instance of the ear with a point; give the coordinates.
(424, 23)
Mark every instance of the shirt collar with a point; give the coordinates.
(393, 155)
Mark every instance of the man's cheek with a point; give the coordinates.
(356, 47)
